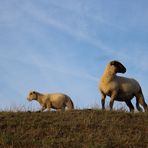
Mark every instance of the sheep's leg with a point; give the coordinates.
(142, 102)
(103, 96)
(137, 105)
(140, 99)
(113, 97)
(130, 105)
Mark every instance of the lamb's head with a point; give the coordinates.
(117, 67)
(32, 96)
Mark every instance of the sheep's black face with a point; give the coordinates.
(119, 67)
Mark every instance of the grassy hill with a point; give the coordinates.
(78, 128)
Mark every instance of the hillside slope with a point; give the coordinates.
(78, 128)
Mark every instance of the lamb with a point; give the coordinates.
(120, 88)
(56, 101)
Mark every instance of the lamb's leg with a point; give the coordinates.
(63, 108)
(43, 108)
(111, 103)
(103, 96)
(130, 105)
(59, 110)
(49, 106)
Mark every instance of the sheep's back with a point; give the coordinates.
(128, 85)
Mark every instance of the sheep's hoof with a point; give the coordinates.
(140, 109)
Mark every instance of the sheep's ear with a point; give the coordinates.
(113, 62)
(116, 63)
(119, 66)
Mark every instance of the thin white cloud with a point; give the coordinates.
(49, 64)
(86, 13)
(42, 16)
(36, 12)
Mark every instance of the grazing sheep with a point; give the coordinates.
(55, 101)
(120, 88)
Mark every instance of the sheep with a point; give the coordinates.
(120, 88)
(56, 101)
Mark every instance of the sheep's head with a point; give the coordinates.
(32, 96)
(117, 67)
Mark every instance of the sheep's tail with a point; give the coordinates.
(69, 104)
(140, 99)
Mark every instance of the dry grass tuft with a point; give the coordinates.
(78, 128)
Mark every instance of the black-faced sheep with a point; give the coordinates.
(120, 88)
(55, 100)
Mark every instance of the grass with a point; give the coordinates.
(78, 128)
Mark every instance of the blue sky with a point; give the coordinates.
(64, 45)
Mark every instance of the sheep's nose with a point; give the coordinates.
(124, 70)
